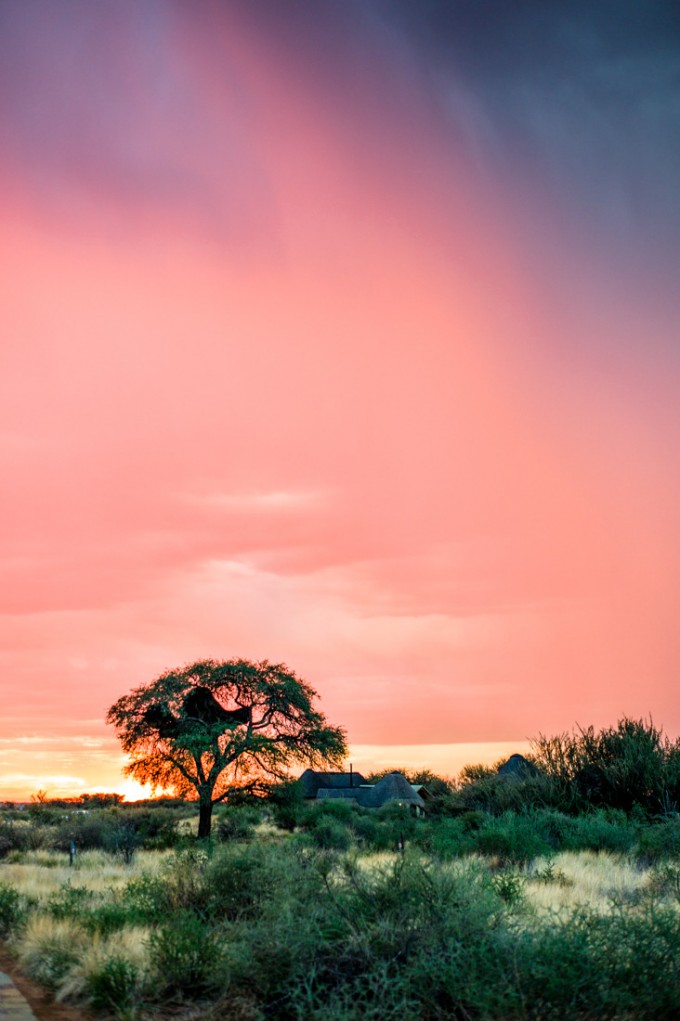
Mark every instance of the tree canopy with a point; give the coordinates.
(215, 728)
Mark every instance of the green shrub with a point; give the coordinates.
(146, 898)
(550, 873)
(446, 838)
(156, 828)
(123, 839)
(367, 830)
(88, 829)
(621, 767)
(660, 841)
(288, 806)
(405, 941)
(617, 966)
(331, 835)
(13, 838)
(512, 838)
(69, 902)
(488, 791)
(237, 824)
(13, 910)
(184, 955)
(604, 830)
(664, 880)
(472, 820)
(112, 916)
(113, 986)
(240, 880)
(509, 886)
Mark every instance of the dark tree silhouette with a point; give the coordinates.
(215, 728)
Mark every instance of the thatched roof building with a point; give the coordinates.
(313, 780)
(518, 768)
(394, 787)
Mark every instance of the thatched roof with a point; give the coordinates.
(518, 768)
(357, 795)
(352, 787)
(395, 787)
(313, 780)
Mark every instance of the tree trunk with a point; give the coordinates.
(204, 819)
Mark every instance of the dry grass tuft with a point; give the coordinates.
(41, 873)
(585, 878)
(129, 945)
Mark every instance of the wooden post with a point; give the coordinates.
(72, 853)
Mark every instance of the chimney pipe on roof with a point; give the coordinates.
(351, 776)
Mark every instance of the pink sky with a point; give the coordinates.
(291, 370)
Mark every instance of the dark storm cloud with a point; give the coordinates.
(581, 98)
(579, 101)
(587, 94)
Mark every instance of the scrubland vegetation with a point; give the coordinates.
(515, 899)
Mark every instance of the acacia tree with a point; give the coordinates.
(215, 728)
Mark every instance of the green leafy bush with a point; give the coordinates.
(511, 838)
(447, 838)
(237, 824)
(331, 835)
(113, 986)
(184, 955)
(509, 885)
(605, 830)
(626, 766)
(13, 910)
(69, 902)
(660, 841)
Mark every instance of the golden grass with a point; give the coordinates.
(584, 878)
(129, 944)
(42, 873)
(63, 956)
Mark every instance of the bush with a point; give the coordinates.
(447, 838)
(620, 767)
(184, 955)
(488, 791)
(111, 916)
(13, 838)
(511, 838)
(145, 898)
(403, 941)
(509, 886)
(605, 830)
(13, 910)
(123, 839)
(664, 881)
(69, 902)
(288, 804)
(622, 965)
(113, 986)
(240, 880)
(331, 835)
(237, 824)
(50, 948)
(89, 830)
(660, 841)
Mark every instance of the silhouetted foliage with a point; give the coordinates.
(215, 728)
(631, 765)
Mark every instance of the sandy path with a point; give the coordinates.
(40, 1001)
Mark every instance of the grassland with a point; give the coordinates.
(508, 917)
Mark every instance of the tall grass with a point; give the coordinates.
(283, 930)
(488, 916)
